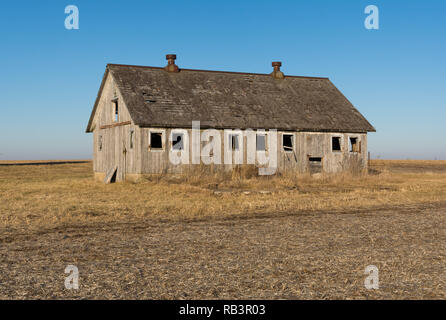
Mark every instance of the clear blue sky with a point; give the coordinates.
(50, 76)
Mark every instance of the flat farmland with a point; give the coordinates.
(224, 237)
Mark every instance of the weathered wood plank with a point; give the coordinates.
(115, 125)
(110, 174)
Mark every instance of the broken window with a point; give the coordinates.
(100, 143)
(233, 138)
(261, 142)
(336, 143)
(177, 141)
(354, 144)
(116, 111)
(287, 142)
(132, 134)
(156, 140)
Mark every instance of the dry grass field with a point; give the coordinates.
(228, 236)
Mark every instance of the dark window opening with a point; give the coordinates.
(287, 142)
(234, 141)
(100, 143)
(156, 140)
(116, 110)
(354, 144)
(315, 159)
(177, 141)
(132, 134)
(260, 142)
(336, 143)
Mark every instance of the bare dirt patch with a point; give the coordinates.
(318, 255)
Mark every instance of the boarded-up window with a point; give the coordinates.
(354, 144)
(177, 141)
(156, 141)
(100, 143)
(336, 143)
(132, 137)
(234, 140)
(287, 142)
(261, 142)
(315, 164)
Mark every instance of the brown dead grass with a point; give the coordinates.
(42, 196)
(36, 162)
(174, 237)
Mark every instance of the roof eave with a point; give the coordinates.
(347, 130)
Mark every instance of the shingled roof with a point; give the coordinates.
(156, 98)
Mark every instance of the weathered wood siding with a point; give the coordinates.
(305, 145)
(116, 150)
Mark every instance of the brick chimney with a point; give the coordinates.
(171, 66)
(276, 72)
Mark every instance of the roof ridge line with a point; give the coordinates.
(217, 71)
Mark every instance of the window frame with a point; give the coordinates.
(292, 142)
(230, 137)
(264, 134)
(182, 134)
(115, 109)
(163, 140)
(357, 144)
(340, 143)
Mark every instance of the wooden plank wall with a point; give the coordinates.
(115, 135)
(305, 145)
(141, 159)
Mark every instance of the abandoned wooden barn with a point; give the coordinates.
(141, 113)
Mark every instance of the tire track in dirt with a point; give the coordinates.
(284, 255)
